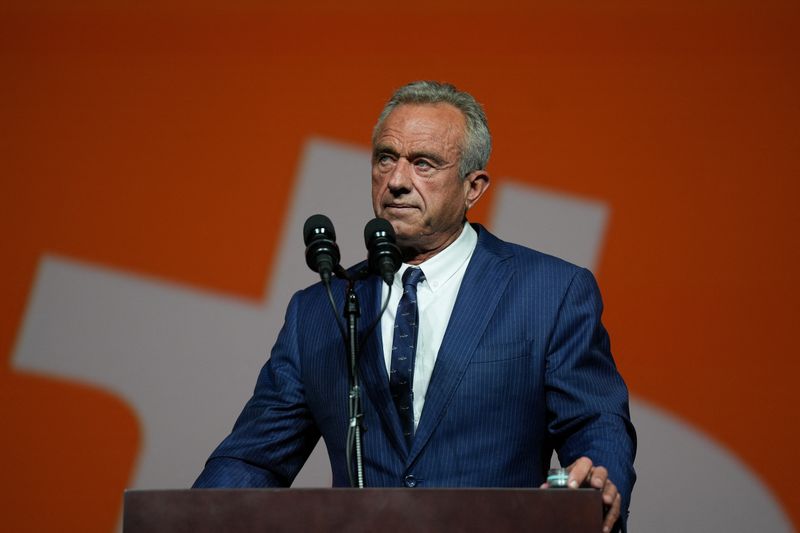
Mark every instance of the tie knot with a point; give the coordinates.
(412, 276)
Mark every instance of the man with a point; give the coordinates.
(490, 355)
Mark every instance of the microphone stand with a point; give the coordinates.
(352, 311)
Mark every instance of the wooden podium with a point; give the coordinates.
(362, 510)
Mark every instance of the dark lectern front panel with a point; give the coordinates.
(365, 510)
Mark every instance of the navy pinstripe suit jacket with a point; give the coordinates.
(524, 368)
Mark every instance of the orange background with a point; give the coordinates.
(164, 139)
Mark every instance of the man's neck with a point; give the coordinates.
(415, 256)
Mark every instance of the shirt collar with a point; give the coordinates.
(444, 265)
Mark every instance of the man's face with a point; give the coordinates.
(415, 177)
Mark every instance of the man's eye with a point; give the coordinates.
(384, 159)
(422, 164)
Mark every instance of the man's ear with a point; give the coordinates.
(475, 183)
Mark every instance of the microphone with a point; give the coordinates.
(322, 253)
(383, 255)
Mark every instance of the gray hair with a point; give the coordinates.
(477, 143)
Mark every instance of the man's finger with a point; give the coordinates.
(598, 476)
(579, 472)
(609, 492)
(613, 514)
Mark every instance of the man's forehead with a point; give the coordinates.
(438, 119)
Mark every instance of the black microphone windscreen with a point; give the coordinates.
(318, 224)
(378, 227)
(383, 255)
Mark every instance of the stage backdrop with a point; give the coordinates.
(157, 160)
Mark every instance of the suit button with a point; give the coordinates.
(410, 481)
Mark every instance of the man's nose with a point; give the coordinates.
(400, 176)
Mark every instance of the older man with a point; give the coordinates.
(490, 355)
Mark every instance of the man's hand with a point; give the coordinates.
(582, 473)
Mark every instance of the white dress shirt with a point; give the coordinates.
(436, 296)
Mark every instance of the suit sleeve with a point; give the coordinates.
(275, 433)
(587, 400)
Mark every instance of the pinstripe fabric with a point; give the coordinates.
(524, 368)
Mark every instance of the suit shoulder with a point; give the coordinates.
(523, 254)
(528, 259)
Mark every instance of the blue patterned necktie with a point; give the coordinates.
(404, 347)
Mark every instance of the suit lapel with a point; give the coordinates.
(484, 282)
(372, 365)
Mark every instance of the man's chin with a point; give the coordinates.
(402, 228)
